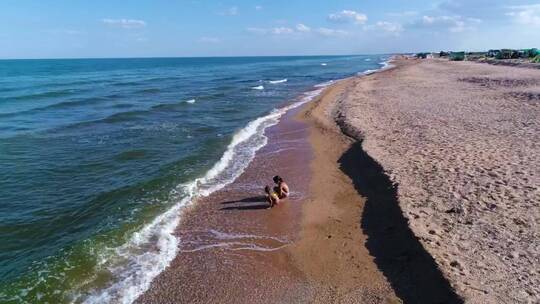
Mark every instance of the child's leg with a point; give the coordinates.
(271, 201)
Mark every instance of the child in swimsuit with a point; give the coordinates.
(281, 189)
(271, 197)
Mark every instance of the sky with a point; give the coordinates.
(178, 28)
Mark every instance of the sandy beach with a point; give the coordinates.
(418, 184)
(459, 141)
(139, 147)
(308, 250)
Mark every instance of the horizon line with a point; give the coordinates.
(172, 57)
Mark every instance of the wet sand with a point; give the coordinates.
(418, 184)
(355, 244)
(310, 249)
(340, 237)
(233, 249)
(331, 249)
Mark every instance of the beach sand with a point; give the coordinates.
(460, 142)
(307, 250)
(233, 249)
(310, 249)
(418, 184)
(355, 245)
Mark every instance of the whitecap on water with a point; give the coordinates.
(258, 87)
(278, 81)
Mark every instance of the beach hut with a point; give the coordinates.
(457, 56)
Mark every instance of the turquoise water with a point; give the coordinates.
(99, 156)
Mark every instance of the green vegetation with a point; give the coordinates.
(531, 55)
(457, 56)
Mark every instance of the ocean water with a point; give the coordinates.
(98, 158)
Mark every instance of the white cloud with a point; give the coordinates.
(386, 27)
(281, 30)
(331, 32)
(454, 24)
(526, 14)
(348, 16)
(231, 11)
(209, 40)
(258, 7)
(302, 28)
(125, 23)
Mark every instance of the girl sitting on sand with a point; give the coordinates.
(281, 189)
(271, 197)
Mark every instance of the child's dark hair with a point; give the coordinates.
(277, 179)
(267, 189)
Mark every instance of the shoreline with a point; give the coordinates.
(269, 248)
(353, 234)
(232, 243)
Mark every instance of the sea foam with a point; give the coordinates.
(258, 87)
(384, 65)
(151, 249)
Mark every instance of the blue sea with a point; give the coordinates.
(98, 158)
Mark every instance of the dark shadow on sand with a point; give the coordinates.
(253, 199)
(252, 206)
(246, 207)
(411, 271)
